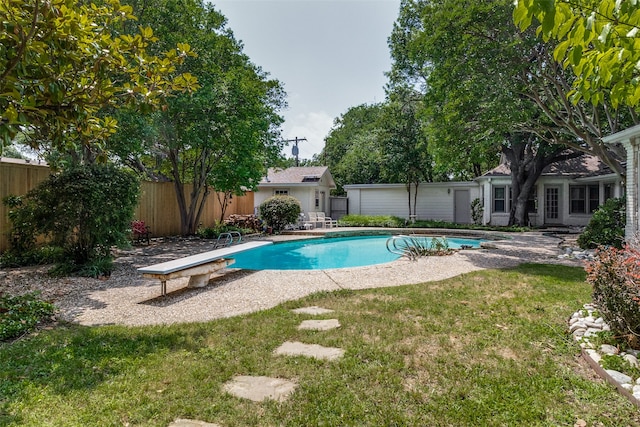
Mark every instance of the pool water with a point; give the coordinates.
(320, 254)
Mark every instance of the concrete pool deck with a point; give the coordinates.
(129, 299)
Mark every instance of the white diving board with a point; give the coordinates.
(198, 267)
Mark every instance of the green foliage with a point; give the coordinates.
(477, 211)
(63, 62)
(218, 138)
(279, 211)
(21, 314)
(85, 211)
(606, 227)
(371, 221)
(597, 39)
(414, 247)
(434, 223)
(614, 275)
(216, 230)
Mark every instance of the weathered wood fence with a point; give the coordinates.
(158, 207)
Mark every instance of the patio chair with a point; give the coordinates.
(326, 220)
(313, 219)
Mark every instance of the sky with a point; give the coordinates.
(329, 55)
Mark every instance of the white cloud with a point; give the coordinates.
(313, 126)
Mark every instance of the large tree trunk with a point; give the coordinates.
(528, 157)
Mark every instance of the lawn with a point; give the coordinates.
(489, 348)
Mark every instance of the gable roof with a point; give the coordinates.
(579, 167)
(311, 176)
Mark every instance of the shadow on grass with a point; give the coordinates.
(72, 358)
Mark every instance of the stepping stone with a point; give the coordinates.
(259, 389)
(309, 350)
(319, 325)
(312, 310)
(179, 422)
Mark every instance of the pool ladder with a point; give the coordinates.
(227, 239)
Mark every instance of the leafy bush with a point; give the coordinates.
(614, 275)
(477, 211)
(21, 314)
(371, 221)
(279, 211)
(216, 230)
(85, 211)
(606, 227)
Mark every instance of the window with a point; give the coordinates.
(584, 198)
(317, 197)
(500, 199)
(532, 202)
(608, 191)
(281, 192)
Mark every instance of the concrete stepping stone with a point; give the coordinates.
(319, 325)
(179, 422)
(310, 350)
(259, 389)
(315, 310)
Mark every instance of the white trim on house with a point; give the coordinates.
(630, 140)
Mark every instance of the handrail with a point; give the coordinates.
(228, 238)
(394, 239)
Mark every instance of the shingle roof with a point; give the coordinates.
(295, 175)
(578, 167)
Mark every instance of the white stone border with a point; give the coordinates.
(582, 325)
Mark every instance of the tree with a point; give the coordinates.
(598, 39)
(491, 89)
(404, 144)
(62, 62)
(218, 138)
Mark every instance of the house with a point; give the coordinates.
(630, 140)
(444, 201)
(566, 193)
(310, 185)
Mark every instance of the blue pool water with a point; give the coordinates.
(320, 254)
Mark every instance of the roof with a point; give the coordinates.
(299, 175)
(578, 167)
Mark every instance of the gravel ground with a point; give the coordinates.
(129, 299)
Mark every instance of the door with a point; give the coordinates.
(552, 205)
(461, 207)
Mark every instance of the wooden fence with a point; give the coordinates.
(158, 206)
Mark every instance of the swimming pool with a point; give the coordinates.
(326, 253)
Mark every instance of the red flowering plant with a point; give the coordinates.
(138, 227)
(614, 275)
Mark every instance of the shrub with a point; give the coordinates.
(614, 275)
(606, 227)
(279, 211)
(371, 221)
(21, 314)
(477, 211)
(85, 211)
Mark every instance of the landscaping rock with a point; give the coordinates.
(259, 389)
(619, 377)
(319, 325)
(191, 423)
(314, 310)
(309, 350)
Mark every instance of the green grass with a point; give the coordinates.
(489, 348)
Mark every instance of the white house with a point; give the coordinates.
(567, 192)
(630, 140)
(310, 185)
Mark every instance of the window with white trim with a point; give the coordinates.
(280, 192)
(583, 199)
(500, 199)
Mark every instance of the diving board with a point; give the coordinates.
(197, 267)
